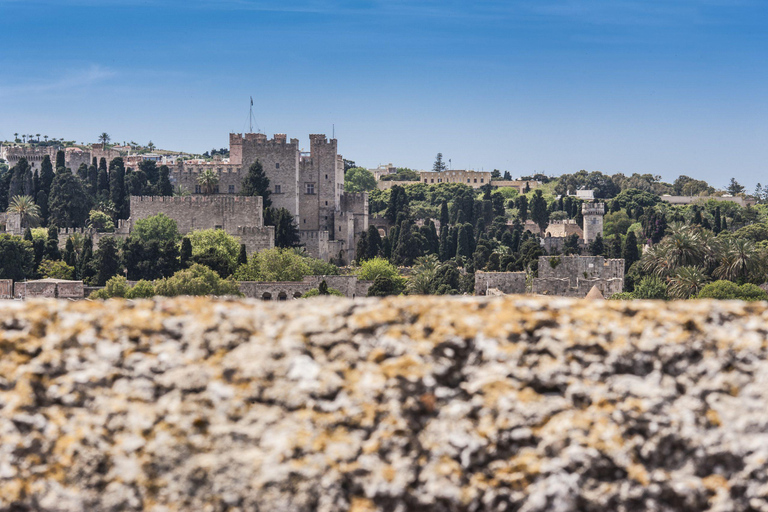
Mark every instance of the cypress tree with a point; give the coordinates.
(406, 251)
(164, 186)
(185, 254)
(464, 244)
(69, 256)
(93, 179)
(374, 242)
(106, 260)
(42, 201)
(444, 219)
(84, 268)
(631, 253)
(52, 251)
(323, 288)
(596, 247)
(445, 250)
(103, 164)
(60, 162)
(82, 173)
(361, 250)
(117, 192)
(242, 257)
(256, 183)
(717, 227)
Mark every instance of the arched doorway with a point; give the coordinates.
(266, 296)
(282, 296)
(297, 295)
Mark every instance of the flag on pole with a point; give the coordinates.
(251, 100)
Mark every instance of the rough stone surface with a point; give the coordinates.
(426, 404)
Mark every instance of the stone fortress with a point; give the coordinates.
(310, 185)
(567, 276)
(73, 156)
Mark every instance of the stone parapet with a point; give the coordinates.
(413, 403)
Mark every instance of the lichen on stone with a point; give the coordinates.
(411, 403)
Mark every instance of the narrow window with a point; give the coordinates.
(231, 189)
(310, 188)
(278, 189)
(277, 165)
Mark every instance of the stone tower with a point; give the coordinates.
(593, 220)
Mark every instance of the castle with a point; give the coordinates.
(310, 185)
(73, 156)
(567, 276)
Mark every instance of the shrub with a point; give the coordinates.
(652, 288)
(196, 280)
(314, 292)
(141, 290)
(56, 269)
(117, 286)
(728, 290)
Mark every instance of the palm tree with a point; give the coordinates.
(26, 208)
(739, 257)
(151, 146)
(687, 282)
(104, 138)
(422, 280)
(38, 137)
(16, 137)
(208, 181)
(45, 137)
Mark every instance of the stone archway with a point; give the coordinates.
(297, 295)
(282, 296)
(266, 296)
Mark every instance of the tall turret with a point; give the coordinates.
(593, 220)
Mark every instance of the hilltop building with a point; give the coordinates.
(310, 185)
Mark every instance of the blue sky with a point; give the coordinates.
(665, 87)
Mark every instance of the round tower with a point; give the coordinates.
(593, 220)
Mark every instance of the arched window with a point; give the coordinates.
(266, 296)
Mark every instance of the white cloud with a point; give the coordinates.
(86, 77)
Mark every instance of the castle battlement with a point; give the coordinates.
(211, 199)
(593, 208)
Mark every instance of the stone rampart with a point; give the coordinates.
(350, 286)
(510, 283)
(414, 403)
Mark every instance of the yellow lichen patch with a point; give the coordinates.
(638, 473)
(715, 483)
(360, 504)
(713, 417)
(404, 366)
(389, 473)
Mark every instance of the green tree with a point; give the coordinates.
(734, 187)
(687, 282)
(56, 269)
(439, 165)
(539, 213)
(46, 175)
(104, 138)
(106, 260)
(651, 287)
(116, 286)
(242, 256)
(164, 186)
(27, 210)
(17, 258)
(117, 190)
(208, 181)
(465, 241)
(631, 253)
(215, 248)
(185, 254)
(142, 290)
(256, 183)
(60, 160)
(406, 250)
(286, 230)
(444, 219)
(358, 179)
(68, 205)
(727, 290)
(373, 242)
(274, 265)
(596, 247)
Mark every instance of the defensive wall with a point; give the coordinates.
(350, 286)
(566, 276)
(474, 179)
(237, 215)
(49, 288)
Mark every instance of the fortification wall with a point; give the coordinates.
(507, 282)
(410, 403)
(350, 286)
(202, 212)
(580, 267)
(256, 239)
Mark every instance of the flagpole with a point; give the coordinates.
(250, 117)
